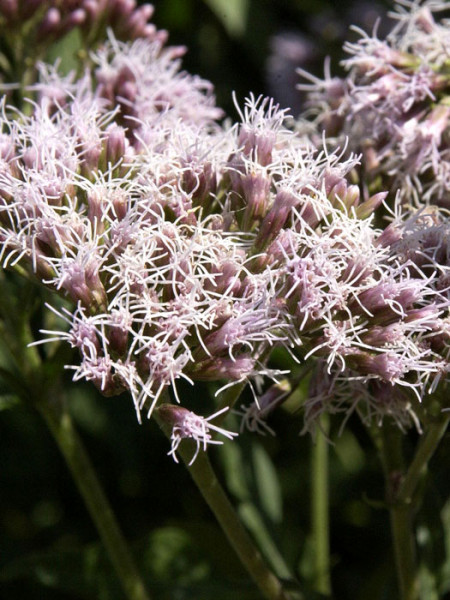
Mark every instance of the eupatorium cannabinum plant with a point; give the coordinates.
(179, 248)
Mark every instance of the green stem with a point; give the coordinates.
(205, 478)
(389, 442)
(406, 505)
(425, 450)
(404, 551)
(71, 446)
(320, 509)
(402, 496)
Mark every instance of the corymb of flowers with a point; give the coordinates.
(189, 249)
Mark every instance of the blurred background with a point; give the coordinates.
(48, 545)
(256, 45)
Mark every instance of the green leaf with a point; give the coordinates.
(267, 484)
(251, 516)
(232, 14)
(65, 52)
(232, 459)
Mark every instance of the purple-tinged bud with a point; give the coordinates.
(257, 146)
(378, 336)
(332, 178)
(84, 336)
(390, 400)
(137, 21)
(226, 278)
(357, 270)
(344, 195)
(390, 236)
(120, 203)
(223, 368)
(426, 315)
(90, 152)
(120, 324)
(49, 24)
(93, 11)
(187, 425)
(99, 370)
(31, 158)
(199, 181)
(396, 297)
(388, 366)
(231, 332)
(368, 207)
(127, 89)
(256, 191)
(120, 10)
(172, 415)
(371, 159)
(281, 247)
(437, 122)
(82, 283)
(115, 144)
(96, 207)
(275, 219)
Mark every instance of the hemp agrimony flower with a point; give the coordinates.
(393, 106)
(190, 250)
(187, 425)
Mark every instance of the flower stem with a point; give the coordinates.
(402, 497)
(425, 450)
(404, 550)
(205, 478)
(320, 509)
(72, 448)
(389, 442)
(406, 504)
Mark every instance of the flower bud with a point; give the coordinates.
(275, 219)
(368, 207)
(388, 366)
(223, 368)
(256, 191)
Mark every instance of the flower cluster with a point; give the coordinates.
(394, 104)
(45, 21)
(189, 250)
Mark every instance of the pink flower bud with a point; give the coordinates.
(275, 219)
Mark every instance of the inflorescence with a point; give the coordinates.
(190, 249)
